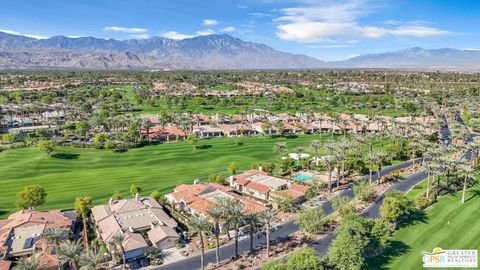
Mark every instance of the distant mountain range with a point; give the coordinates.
(203, 52)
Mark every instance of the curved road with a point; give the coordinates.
(286, 229)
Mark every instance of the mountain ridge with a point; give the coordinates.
(217, 51)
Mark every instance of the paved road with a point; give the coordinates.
(405, 185)
(282, 231)
(288, 228)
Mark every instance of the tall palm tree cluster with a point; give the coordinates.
(70, 254)
(398, 141)
(451, 168)
(226, 215)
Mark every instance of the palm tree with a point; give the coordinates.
(216, 214)
(330, 145)
(252, 219)
(267, 126)
(380, 158)
(467, 173)
(413, 151)
(424, 145)
(474, 147)
(360, 140)
(147, 124)
(267, 218)
(330, 162)
(201, 226)
(69, 252)
(300, 151)
(233, 211)
(117, 241)
(280, 147)
(370, 137)
(55, 236)
(90, 260)
(25, 263)
(192, 139)
(371, 158)
(430, 169)
(315, 145)
(344, 146)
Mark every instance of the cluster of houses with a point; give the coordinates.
(234, 89)
(260, 123)
(255, 189)
(20, 120)
(21, 235)
(141, 221)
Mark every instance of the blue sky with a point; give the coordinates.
(325, 29)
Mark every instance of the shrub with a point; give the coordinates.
(311, 220)
(311, 193)
(156, 195)
(421, 202)
(216, 178)
(342, 205)
(363, 190)
(396, 206)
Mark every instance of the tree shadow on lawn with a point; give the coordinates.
(381, 262)
(205, 146)
(475, 193)
(288, 136)
(66, 156)
(417, 217)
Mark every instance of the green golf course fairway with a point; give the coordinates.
(98, 173)
(449, 224)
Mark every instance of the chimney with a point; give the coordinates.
(196, 181)
(137, 196)
(110, 201)
(260, 168)
(230, 180)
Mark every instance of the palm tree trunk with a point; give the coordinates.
(371, 173)
(124, 260)
(329, 181)
(428, 184)
(341, 174)
(217, 242)
(236, 241)
(379, 173)
(464, 188)
(202, 250)
(251, 237)
(268, 238)
(86, 233)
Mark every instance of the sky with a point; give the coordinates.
(326, 29)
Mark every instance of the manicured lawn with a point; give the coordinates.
(97, 173)
(449, 224)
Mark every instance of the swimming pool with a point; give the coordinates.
(302, 177)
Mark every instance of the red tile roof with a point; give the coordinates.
(258, 187)
(298, 188)
(5, 265)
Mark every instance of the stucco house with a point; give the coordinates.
(141, 220)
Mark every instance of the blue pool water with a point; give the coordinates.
(302, 177)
